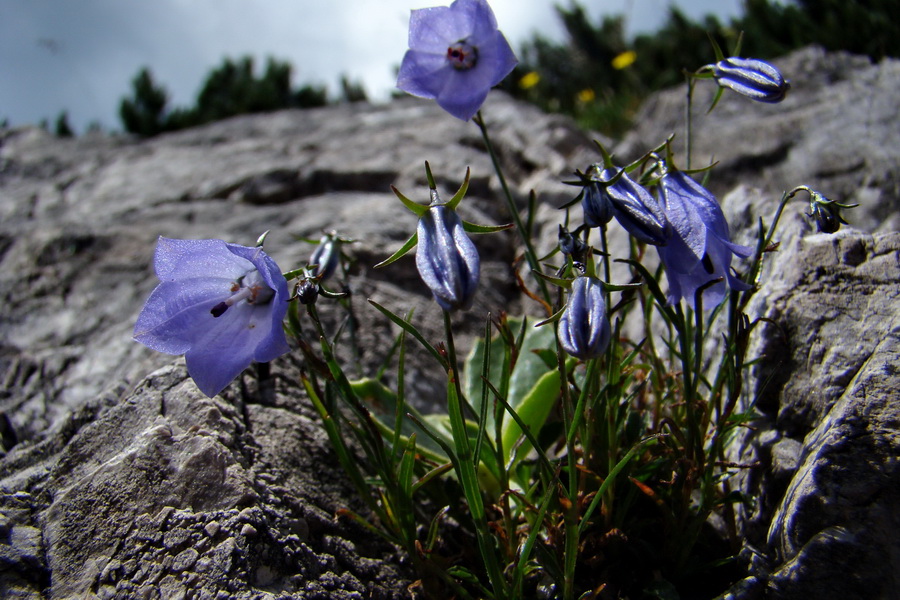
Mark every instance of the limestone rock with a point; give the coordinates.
(827, 492)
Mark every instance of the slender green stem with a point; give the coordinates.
(765, 242)
(688, 121)
(524, 233)
(570, 553)
(578, 413)
(606, 268)
(685, 339)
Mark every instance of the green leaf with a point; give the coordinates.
(474, 228)
(407, 463)
(529, 367)
(655, 290)
(607, 157)
(383, 404)
(433, 473)
(718, 50)
(533, 409)
(610, 478)
(294, 274)
(558, 281)
(715, 101)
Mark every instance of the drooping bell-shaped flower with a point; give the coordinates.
(584, 329)
(632, 205)
(826, 213)
(751, 77)
(446, 258)
(456, 55)
(219, 304)
(699, 249)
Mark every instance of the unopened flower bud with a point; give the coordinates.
(584, 330)
(326, 256)
(751, 77)
(596, 205)
(571, 245)
(827, 213)
(307, 291)
(446, 258)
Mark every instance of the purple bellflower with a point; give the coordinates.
(699, 249)
(584, 330)
(632, 206)
(221, 305)
(456, 55)
(751, 77)
(447, 259)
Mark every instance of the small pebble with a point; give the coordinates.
(212, 528)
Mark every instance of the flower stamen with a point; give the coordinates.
(462, 56)
(254, 292)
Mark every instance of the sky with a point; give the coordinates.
(81, 55)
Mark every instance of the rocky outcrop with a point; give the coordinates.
(118, 479)
(828, 483)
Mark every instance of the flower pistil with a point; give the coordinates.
(253, 290)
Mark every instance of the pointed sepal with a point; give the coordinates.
(409, 245)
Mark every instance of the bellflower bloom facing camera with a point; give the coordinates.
(699, 249)
(456, 55)
(446, 258)
(753, 78)
(584, 329)
(219, 304)
(632, 206)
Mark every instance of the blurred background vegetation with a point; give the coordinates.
(233, 88)
(600, 77)
(598, 74)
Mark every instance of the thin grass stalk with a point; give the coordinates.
(468, 477)
(524, 233)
